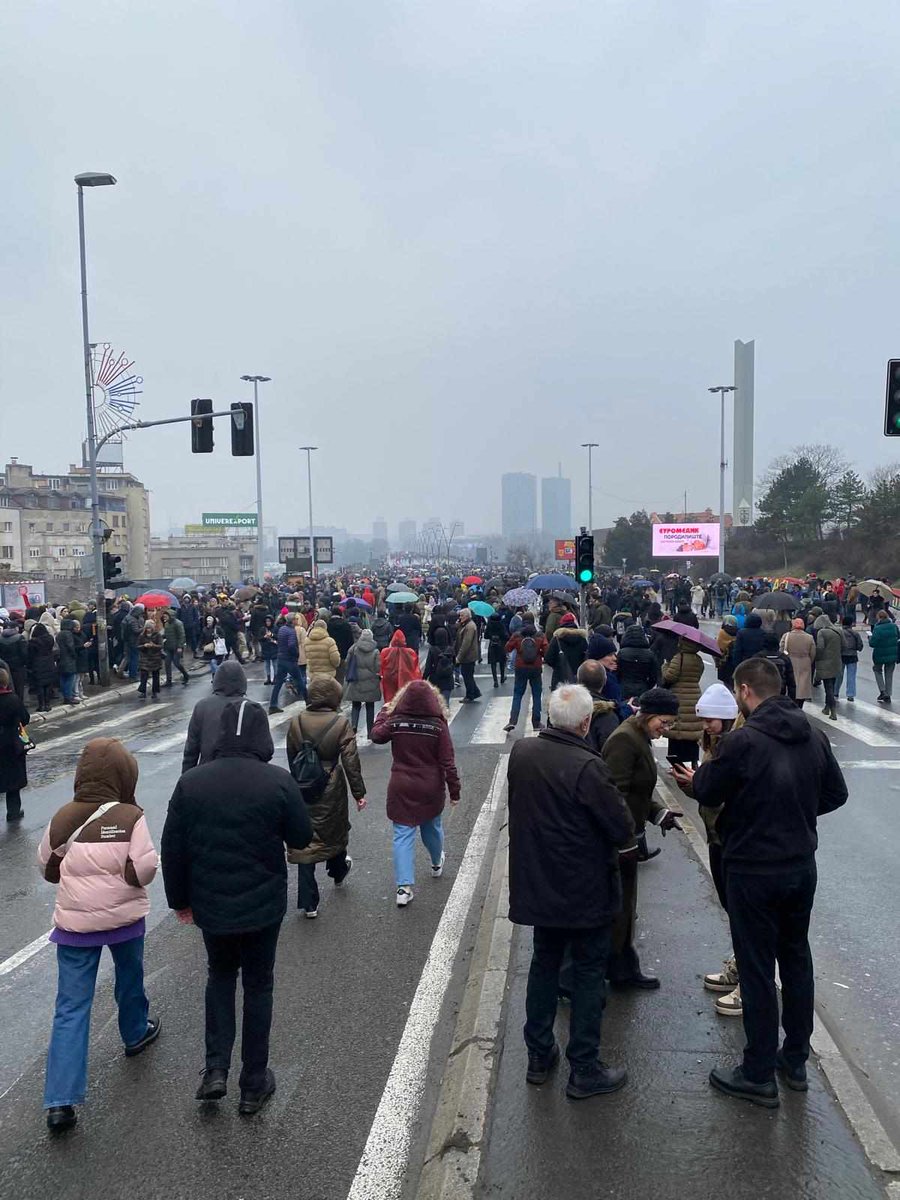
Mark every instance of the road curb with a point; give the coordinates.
(75, 710)
(876, 1143)
(457, 1138)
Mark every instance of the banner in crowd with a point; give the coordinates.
(20, 595)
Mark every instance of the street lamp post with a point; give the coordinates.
(256, 380)
(590, 447)
(722, 391)
(312, 539)
(93, 179)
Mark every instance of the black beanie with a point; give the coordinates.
(659, 702)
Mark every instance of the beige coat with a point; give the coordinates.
(682, 673)
(322, 654)
(801, 649)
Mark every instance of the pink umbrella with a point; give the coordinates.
(690, 634)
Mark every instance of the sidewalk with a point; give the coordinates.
(97, 696)
(667, 1135)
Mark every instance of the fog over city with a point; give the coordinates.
(461, 239)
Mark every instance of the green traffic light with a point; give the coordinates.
(585, 575)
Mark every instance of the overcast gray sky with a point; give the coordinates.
(462, 238)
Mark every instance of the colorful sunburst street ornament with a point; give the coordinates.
(116, 389)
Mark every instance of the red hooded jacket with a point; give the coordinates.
(423, 765)
(399, 666)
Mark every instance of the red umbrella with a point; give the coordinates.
(158, 600)
(470, 579)
(690, 634)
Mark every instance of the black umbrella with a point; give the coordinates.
(778, 601)
(720, 577)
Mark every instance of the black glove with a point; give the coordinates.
(668, 821)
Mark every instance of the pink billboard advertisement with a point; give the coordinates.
(686, 541)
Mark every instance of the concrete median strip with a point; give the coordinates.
(453, 1156)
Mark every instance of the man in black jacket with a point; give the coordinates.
(339, 628)
(567, 820)
(605, 716)
(638, 668)
(14, 652)
(773, 778)
(223, 848)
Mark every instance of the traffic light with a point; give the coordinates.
(584, 559)
(242, 429)
(201, 431)
(892, 399)
(111, 568)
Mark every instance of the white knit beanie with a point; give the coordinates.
(717, 701)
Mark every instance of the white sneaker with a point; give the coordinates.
(404, 896)
(339, 883)
(730, 1005)
(310, 913)
(437, 871)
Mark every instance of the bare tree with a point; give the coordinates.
(828, 462)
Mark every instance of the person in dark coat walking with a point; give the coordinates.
(67, 660)
(383, 630)
(341, 630)
(224, 868)
(496, 634)
(605, 717)
(638, 668)
(411, 623)
(567, 821)
(438, 669)
(335, 738)
(41, 665)
(150, 660)
(423, 770)
(567, 651)
(13, 768)
(774, 777)
(229, 685)
(749, 641)
(14, 653)
(268, 648)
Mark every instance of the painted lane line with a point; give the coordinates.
(85, 735)
(384, 1162)
(174, 739)
(490, 729)
(854, 729)
(890, 764)
(456, 707)
(875, 710)
(23, 955)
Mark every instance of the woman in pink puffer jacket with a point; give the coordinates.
(99, 852)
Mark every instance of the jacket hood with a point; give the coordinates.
(419, 699)
(317, 634)
(366, 640)
(244, 732)
(781, 719)
(754, 621)
(398, 639)
(230, 680)
(635, 636)
(106, 771)
(570, 631)
(441, 640)
(823, 622)
(603, 708)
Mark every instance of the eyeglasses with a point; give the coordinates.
(666, 725)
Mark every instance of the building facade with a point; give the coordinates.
(207, 559)
(518, 505)
(556, 508)
(45, 522)
(406, 535)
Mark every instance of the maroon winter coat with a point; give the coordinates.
(423, 761)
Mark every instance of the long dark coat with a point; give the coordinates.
(13, 772)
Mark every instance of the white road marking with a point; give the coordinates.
(23, 955)
(382, 1168)
(85, 735)
(456, 707)
(855, 729)
(890, 764)
(167, 743)
(876, 710)
(490, 728)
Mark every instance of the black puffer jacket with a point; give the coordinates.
(568, 650)
(65, 645)
(638, 668)
(13, 649)
(223, 844)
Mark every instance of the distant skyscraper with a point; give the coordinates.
(406, 535)
(556, 507)
(518, 505)
(379, 531)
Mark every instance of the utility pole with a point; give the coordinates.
(722, 391)
(590, 447)
(93, 179)
(312, 539)
(256, 380)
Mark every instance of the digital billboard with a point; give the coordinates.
(687, 540)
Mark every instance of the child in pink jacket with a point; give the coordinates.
(99, 852)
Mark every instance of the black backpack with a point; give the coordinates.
(306, 766)
(528, 651)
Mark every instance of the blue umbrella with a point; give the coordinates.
(546, 583)
(402, 598)
(481, 608)
(454, 581)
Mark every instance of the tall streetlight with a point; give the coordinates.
(256, 380)
(93, 179)
(312, 539)
(722, 391)
(590, 447)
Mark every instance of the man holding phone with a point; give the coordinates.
(774, 777)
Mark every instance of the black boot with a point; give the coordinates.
(213, 1085)
(61, 1117)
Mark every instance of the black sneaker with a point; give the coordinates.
(213, 1085)
(540, 1066)
(732, 1081)
(597, 1080)
(153, 1027)
(272, 710)
(61, 1117)
(252, 1102)
(794, 1077)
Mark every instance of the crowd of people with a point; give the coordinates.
(625, 670)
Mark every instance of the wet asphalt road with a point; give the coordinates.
(345, 982)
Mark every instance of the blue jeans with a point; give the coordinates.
(524, 676)
(67, 1058)
(848, 672)
(405, 848)
(132, 656)
(67, 685)
(283, 671)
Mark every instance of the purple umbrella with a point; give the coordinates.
(690, 634)
(360, 603)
